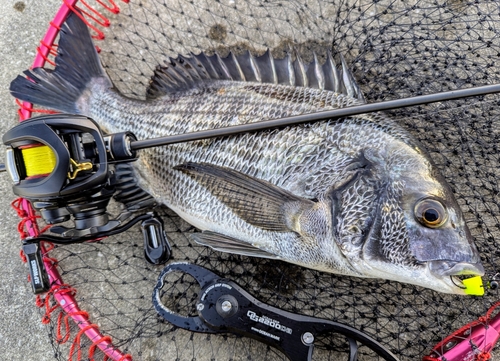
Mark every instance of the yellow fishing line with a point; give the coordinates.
(38, 160)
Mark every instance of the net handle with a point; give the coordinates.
(65, 300)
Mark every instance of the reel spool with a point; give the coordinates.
(59, 163)
(68, 171)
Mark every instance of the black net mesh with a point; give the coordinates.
(395, 49)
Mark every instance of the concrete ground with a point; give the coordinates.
(22, 335)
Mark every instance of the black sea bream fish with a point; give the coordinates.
(355, 196)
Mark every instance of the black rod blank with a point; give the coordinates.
(318, 116)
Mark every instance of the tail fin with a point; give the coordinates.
(77, 63)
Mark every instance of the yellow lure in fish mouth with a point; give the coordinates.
(474, 286)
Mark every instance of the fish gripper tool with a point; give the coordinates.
(224, 307)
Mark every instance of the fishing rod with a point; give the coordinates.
(69, 170)
(317, 116)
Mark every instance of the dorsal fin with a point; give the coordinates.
(332, 76)
(193, 66)
(267, 68)
(352, 88)
(233, 67)
(162, 82)
(315, 74)
(179, 70)
(185, 71)
(220, 67)
(207, 64)
(249, 67)
(300, 69)
(284, 70)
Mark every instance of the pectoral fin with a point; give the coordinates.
(222, 243)
(256, 201)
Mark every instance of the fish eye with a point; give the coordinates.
(430, 213)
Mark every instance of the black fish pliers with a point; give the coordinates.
(223, 307)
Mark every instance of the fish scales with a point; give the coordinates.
(356, 196)
(263, 155)
(287, 158)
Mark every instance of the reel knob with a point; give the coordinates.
(156, 246)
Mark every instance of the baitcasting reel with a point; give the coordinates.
(69, 171)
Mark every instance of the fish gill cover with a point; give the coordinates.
(395, 49)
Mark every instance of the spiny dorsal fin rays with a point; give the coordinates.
(179, 71)
(185, 71)
(207, 64)
(267, 68)
(219, 66)
(233, 67)
(315, 74)
(161, 83)
(300, 71)
(284, 70)
(352, 88)
(249, 67)
(332, 76)
(195, 69)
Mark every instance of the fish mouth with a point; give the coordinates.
(456, 272)
(458, 281)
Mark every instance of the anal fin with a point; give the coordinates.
(223, 243)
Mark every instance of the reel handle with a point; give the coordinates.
(156, 246)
